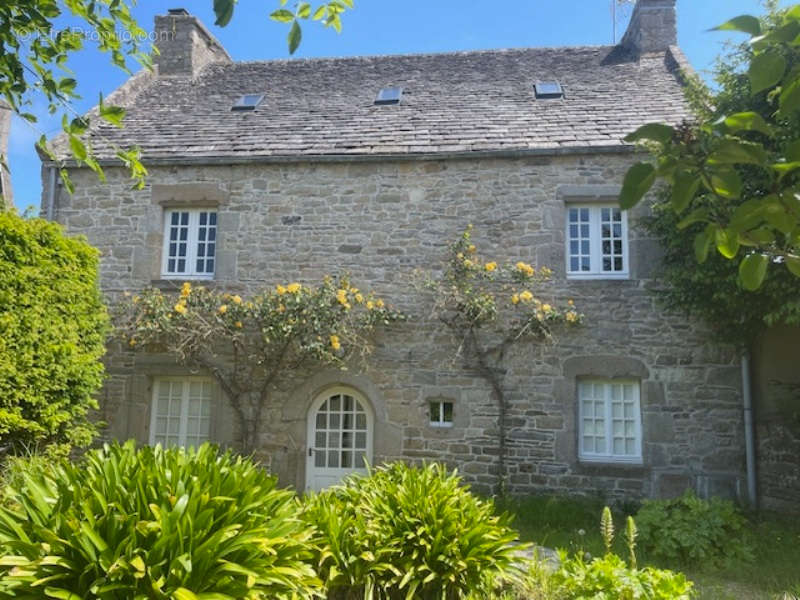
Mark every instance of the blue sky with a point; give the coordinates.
(380, 27)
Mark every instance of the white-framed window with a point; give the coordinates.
(441, 413)
(610, 421)
(597, 241)
(190, 244)
(181, 411)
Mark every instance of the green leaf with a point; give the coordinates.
(727, 242)
(747, 121)
(304, 10)
(61, 594)
(696, 216)
(295, 36)
(766, 71)
(638, 181)
(319, 13)
(793, 264)
(753, 270)
(654, 132)
(183, 594)
(112, 114)
(223, 9)
(702, 244)
(744, 23)
(78, 147)
(789, 100)
(735, 151)
(726, 182)
(684, 190)
(282, 16)
(793, 151)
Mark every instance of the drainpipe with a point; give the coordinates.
(51, 195)
(749, 436)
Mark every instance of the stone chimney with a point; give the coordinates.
(653, 26)
(6, 195)
(185, 46)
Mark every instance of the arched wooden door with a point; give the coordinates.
(340, 430)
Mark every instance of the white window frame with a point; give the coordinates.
(440, 422)
(184, 416)
(191, 244)
(596, 243)
(609, 456)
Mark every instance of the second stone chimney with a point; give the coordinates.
(185, 46)
(653, 26)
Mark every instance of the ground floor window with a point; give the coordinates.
(610, 421)
(441, 413)
(181, 411)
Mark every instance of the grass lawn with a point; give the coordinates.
(574, 524)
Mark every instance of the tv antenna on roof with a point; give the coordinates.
(620, 11)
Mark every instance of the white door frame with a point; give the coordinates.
(316, 475)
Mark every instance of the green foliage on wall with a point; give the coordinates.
(53, 326)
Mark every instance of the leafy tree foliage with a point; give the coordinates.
(53, 327)
(34, 53)
(707, 283)
(737, 170)
(488, 308)
(256, 343)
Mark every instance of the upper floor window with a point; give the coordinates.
(597, 242)
(181, 411)
(190, 244)
(610, 421)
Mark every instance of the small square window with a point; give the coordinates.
(441, 413)
(548, 90)
(597, 242)
(610, 421)
(248, 102)
(190, 244)
(389, 95)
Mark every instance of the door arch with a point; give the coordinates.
(339, 437)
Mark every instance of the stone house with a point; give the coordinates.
(267, 172)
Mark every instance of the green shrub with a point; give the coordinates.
(689, 530)
(611, 578)
(152, 523)
(53, 327)
(406, 532)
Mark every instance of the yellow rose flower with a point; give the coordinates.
(540, 316)
(526, 296)
(379, 303)
(186, 289)
(571, 316)
(335, 342)
(180, 308)
(547, 308)
(515, 299)
(280, 289)
(359, 298)
(132, 343)
(238, 324)
(237, 299)
(281, 308)
(223, 309)
(294, 288)
(525, 268)
(370, 305)
(472, 248)
(468, 263)
(571, 302)
(491, 266)
(460, 255)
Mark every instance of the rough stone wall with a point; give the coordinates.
(653, 26)
(380, 221)
(185, 45)
(776, 397)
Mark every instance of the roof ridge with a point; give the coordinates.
(362, 57)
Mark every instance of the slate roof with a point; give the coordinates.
(463, 102)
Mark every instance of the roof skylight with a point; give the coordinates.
(389, 95)
(548, 90)
(248, 102)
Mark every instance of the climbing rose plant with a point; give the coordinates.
(488, 307)
(251, 345)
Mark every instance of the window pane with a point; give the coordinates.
(319, 441)
(319, 458)
(448, 412)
